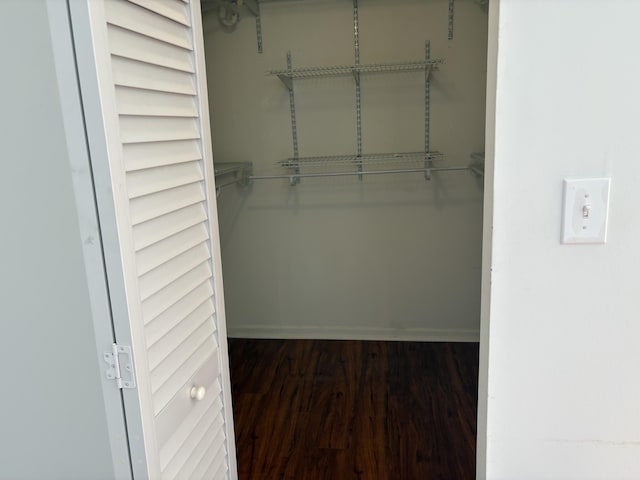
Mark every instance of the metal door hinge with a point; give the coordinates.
(120, 360)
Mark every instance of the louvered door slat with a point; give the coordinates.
(155, 255)
(219, 455)
(207, 444)
(154, 129)
(131, 73)
(157, 179)
(132, 17)
(171, 294)
(179, 333)
(220, 464)
(173, 9)
(206, 461)
(217, 462)
(138, 156)
(220, 461)
(128, 44)
(154, 205)
(161, 325)
(159, 228)
(194, 451)
(173, 442)
(157, 279)
(134, 101)
(177, 360)
(174, 446)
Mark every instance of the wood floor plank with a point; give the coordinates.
(327, 410)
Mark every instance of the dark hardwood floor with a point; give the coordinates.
(334, 410)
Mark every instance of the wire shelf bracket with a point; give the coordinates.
(232, 173)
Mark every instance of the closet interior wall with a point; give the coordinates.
(391, 256)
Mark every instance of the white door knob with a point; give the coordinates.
(198, 393)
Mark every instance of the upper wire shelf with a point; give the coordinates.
(287, 76)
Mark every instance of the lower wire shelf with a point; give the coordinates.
(294, 176)
(377, 159)
(241, 173)
(360, 166)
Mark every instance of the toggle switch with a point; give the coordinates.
(585, 210)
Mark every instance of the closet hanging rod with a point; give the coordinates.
(365, 159)
(352, 174)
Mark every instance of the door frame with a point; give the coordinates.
(84, 190)
(72, 46)
(487, 239)
(89, 69)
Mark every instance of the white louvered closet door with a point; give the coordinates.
(151, 73)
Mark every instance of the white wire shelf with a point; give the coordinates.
(287, 76)
(362, 165)
(371, 159)
(230, 173)
(295, 177)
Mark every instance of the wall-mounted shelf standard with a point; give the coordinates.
(231, 173)
(287, 76)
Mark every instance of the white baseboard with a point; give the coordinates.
(353, 333)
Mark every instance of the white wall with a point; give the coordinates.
(388, 257)
(564, 326)
(52, 410)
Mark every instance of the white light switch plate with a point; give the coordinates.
(585, 210)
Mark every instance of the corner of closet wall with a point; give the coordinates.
(385, 257)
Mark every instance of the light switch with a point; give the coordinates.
(585, 210)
